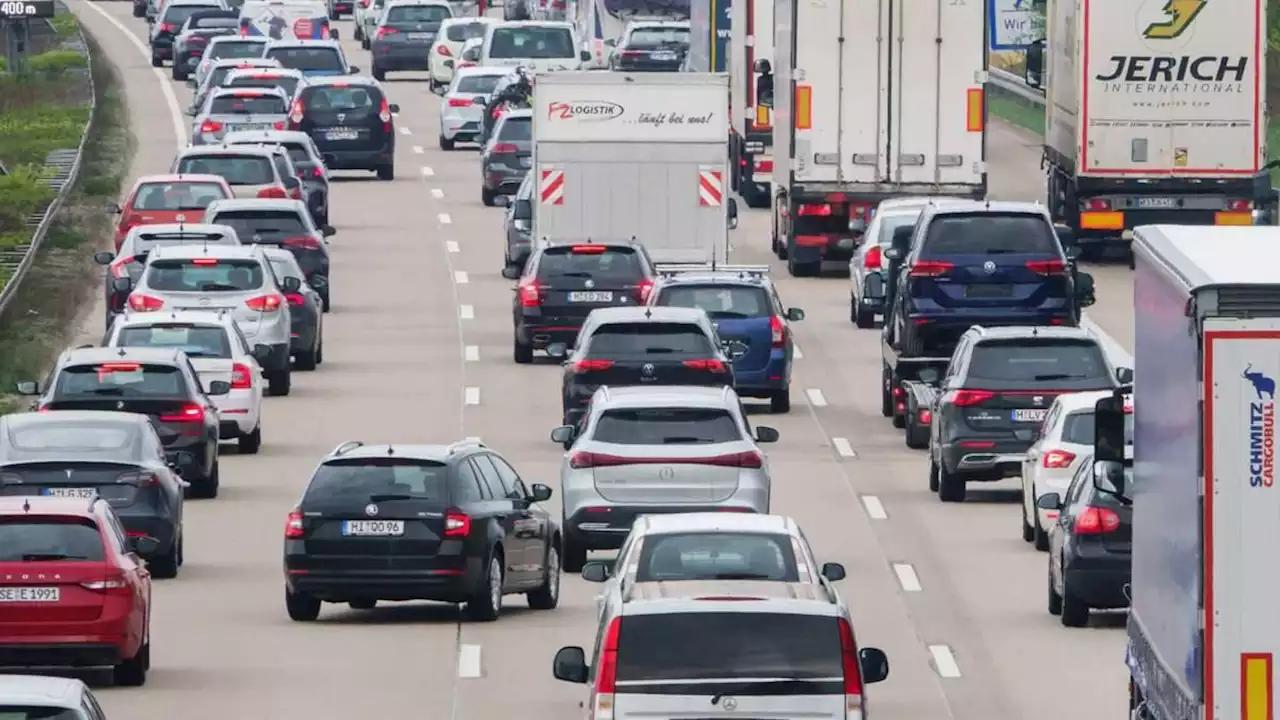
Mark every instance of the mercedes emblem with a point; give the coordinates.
(371, 510)
(647, 368)
(1038, 399)
(729, 703)
(989, 267)
(589, 284)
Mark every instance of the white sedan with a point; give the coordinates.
(447, 50)
(462, 107)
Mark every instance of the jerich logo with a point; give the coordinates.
(1180, 13)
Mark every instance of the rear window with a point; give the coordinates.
(478, 84)
(288, 83)
(516, 129)
(35, 539)
(341, 99)
(717, 556)
(308, 58)
(620, 263)
(247, 105)
(207, 341)
(177, 14)
(667, 426)
(432, 14)
(890, 223)
(215, 22)
(120, 379)
(738, 645)
(298, 155)
(235, 169)
(196, 276)
(36, 712)
(724, 301)
(649, 339)
(658, 37)
(361, 480)
(1078, 428)
(463, 32)
(1064, 361)
(531, 41)
(177, 196)
(71, 437)
(267, 224)
(989, 234)
(236, 49)
(285, 267)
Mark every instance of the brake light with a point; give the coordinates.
(930, 268)
(1058, 459)
(265, 303)
(581, 249)
(166, 27)
(443, 51)
(296, 114)
(204, 261)
(852, 671)
(511, 148)
(1239, 205)
(241, 377)
(384, 114)
(274, 193)
(295, 299)
(583, 366)
(293, 526)
(814, 210)
(210, 126)
(1047, 267)
(145, 303)
(1097, 204)
(279, 124)
(1096, 521)
(317, 172)
(715, 366)
(965, 398)
(606, 673)
(296, 193)
(779, 332)
(113, 583)
(460, 102)
(644, 289)
(119, 267)
(530, 296)
(383, 32)
(139, 479)
(873, 258)
(457, 524)
(188, 413)
(749, 459)
(924, 417)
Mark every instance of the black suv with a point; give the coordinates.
(194, 36)
(562, 283)
(641, 346)
(159, 383)
(351, 122)
(419, 522)
(995, 394)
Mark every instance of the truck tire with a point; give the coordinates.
(886, 396)
(951, 486)
(808, 269)
(917, 438)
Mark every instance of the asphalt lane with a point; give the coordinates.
(418, 348)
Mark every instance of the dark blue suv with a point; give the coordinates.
(750, 319)
(971, 263)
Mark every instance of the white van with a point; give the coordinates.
(539, 46)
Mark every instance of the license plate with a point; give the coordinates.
(601, 297)
(421, 36)
(988, 291)
(249, 126)
(30, 595)
(69, 492)
(372, 527)
(1033, 415)
(1156, 203)
(342, 134)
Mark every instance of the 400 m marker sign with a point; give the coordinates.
(17, 9)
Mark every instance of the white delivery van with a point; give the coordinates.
(286, 19)
(539, 46)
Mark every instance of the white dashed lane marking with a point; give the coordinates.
(460, 277)
(466, 312)
(843, 447)
(427, 172)
(469, 660)
(816, 398)
(907, 577)
(471, 353)
(451, 246)
(437, 193)
(417, 150)
(405, 131)
(795, 352)
(444, 218)
(875, 508)
(944, 662)
(471, 396)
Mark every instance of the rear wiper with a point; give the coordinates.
(659, 350)
(792, 684)
(36, 557)
(388, 497)
(576, 273)
(728, 314)
(105, 391)
(205, 287)
(683, 439)
(740, 576)
(1061, 376)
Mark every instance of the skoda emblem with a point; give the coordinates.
(371, 510)
(647, 368)
(589, 284)
(729, 703)
(119, 404)
(989, 267)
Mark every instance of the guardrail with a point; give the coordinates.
(65, 167)
(1015, 85)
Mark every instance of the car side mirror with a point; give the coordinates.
(511, 272)
(151, 19)
(1034, 73)
(833, 571)
(766, 434)
(144, 545)
(540, 492)
(893, 254)
(501, 200)
(1124, 375)
(393, 108)
(795, 314)
(595, 571)
(191, 82)
(928, 376)
(480, 100)
(219, 387)
(191, 111)
(902, 240)
(290, 182)
(584, 56)
(609, 42)
(564, 435)
(115, 209)
(558, 351)
(733, 214)
(440, 88)
(570, 665)
(353, 70)
(1084, 289)
(103, 258)
(328, 231)
(291, 284)
(1072, 252)
(874, 665)
(28, 387)
(1049, 501)
(262, 353)
(121, 285)
(762, 66)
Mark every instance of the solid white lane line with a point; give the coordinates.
(795, 352)
(404, 130)
(471, 353)
(466, 312)
(451, 246)
(471, 396)
(875, 508)
(427, 172)
(816, 398)
(166, 87)
(437, 193)
(907, 577)
(843, 447)
(468, 661)
(460, 277)
(444, 218)
(417, 150)
(944, 662)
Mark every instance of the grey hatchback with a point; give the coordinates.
(405, 34)
(520, 225)
(507, 157)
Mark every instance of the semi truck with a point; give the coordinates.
(620, 156)
(859, 118)
(1203, 634)
(709, 22)
(751, 91)
(1155, 112)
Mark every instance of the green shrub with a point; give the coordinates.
(4, 65)
(23, 192)
(28, 135)
(65, 24)
(55, 62)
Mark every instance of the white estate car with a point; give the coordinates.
(1063, 441)
(218, 351)
(454, 33)
(462, 106)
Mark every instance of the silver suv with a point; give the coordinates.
(229, 110)
(252, 171)
(237, 279)
(647, 449)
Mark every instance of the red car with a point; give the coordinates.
(73, 590)
(169, 199)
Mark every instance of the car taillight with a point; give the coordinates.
(1239, 205)
(120, 267)
(273, 193)
(114, 583)
(749, 459)
(873, 258)
(295, 114)
(778, 330)
(303, 242)
(241, 377)
(1058, 459)
(643, 289)
(852, 671)
(530, 294)
(145, 303)
(265, 303)
(293, 526)
(460, 102)
(585, 366)
(443, 51)
(279, 125)
(924, 417)
(188, 413)
(1097, 204)
(606, 673)
(384, 114)
(138, 479)
(296, 193)
(210, 126)
(295, 299)
(814, 210)
(384, 32)
(930, 268)
(964, 398)
(512, 148)
(1047, 267)
(166, 27)
(715, 366)
(457, 524)
(1096, 521)
(317, 172)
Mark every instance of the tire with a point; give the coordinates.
(324, 308)
(206, 488)
(522, 354)
(305, 361)
(279, 382)
(133, 672)
(486, 604)
(780, 401)
(547, 595)
(575, 556)
(916, 437)
(179, 75)
(386, 172)
(899, 419)
(1055, 600)
(487, 196)
(864, 320)
(356, 34)
(156, 61)
(447, 144)
(250, 444)
(933, 476)
(301, 607)
(165, 567)
(1028, 532)
(379, 74)
(951, 486)
(364, 43)
(363, 604)
(803, 269)
(886, 395)
(320, 351)
(1039, 536)
(1074, 612)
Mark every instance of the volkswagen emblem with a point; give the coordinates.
(729, 703)
(589, 284)
(1038, 399)
(119, 404)
(666, 473)
(989, 267)
(371, 510)
(342, 117)
(647, 368)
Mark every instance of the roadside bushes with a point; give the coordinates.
(55, 62)
(23, 192)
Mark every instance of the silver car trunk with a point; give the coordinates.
(212, 369)
(681, 474)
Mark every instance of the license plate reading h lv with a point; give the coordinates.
(1033, 415)
(372, 527)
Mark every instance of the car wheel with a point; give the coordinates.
(486, 604)
(899, 418)
(547, 595)
(575, 555)
(780, 401)
(251, 443)
(177, 74)
(139, 11)
(301, 607)
(324, 300)
(446, 144)
(933, 476)
(278, 383)
(521, 353)
(1074, 612)
(1028, 532)
(863, 319)
(362, 604)
(916, 437)
(487, 196)
(797, 269)
(320, 350)
(951, 486)
(305, 361)
(1039, 536)
(205, 488)
(1055, 600)
(379, 74)
(157, 61)
(165, 566)
(387, 172)
(364, 43)
(133, 672)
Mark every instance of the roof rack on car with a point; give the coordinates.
(347, 447)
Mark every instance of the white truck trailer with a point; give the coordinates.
(1155, 112)
(874, 99)
(751, 89)
(620, 155)
(1203, 629)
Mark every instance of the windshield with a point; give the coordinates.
(428, 14)
(359, 480)
(1078, 428)
(656, 37)
(176, 15)
(724, 302)
(463, 32)
(649, 338)
(989, 234)
(120, 379)
(235, 50)
(478, 84)
(38, 712)
(667, 426)
(717, 556)
(34, 539)
(531, 41)
(287, 83)
(247, 105)
(177, 196)
(71, 437)
(269, 225)
(235, 169)
(204, 275)
(308, 58)
(1032, 361)
(197, 341)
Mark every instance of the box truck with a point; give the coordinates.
(859, 118)
(1155, 112)
(751, 90)
(1203, 633)
(620, 155)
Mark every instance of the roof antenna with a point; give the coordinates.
(26, 506)
(391, 450)
(648, 312)
(120, 352)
